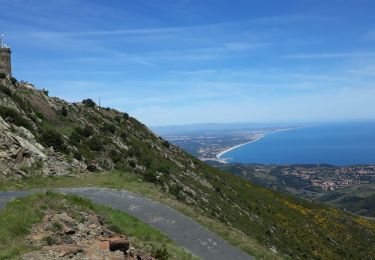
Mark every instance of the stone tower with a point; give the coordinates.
(5, 58)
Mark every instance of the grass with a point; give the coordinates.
(132, 182)
(19, 216)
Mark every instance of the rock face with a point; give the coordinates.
(21, 155)
(82, 236)
(20, 151)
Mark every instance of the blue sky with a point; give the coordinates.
(193, 61)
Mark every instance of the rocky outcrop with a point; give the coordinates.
(81, 235)
(19, 152)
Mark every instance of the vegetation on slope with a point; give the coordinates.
(19, 216)
(359, 199)
(106, 139)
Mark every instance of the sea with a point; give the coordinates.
(334, 143)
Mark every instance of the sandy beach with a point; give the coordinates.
(257, 138)
(219, 155)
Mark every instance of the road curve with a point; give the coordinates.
(179, 228)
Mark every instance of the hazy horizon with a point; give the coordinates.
(268, 123)
(186, 61)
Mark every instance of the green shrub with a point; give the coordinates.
(3, 75)
(5, 90)
(39, 114)
(51, 137)
(123, 136)
(107, 127)
(132, 164)
(56, 226)
(118, 119)
(12, 116)
(162, 254)
(13, 80)
(135, 151)
(45, 92)
(89, 102)
(87, 131)
(64, 111)
(75, 138)
(22, 102)
(166, 144)
(150, 177)
(164, 168)
(49, 240)
(116, 156)
(77, 155)
(125, 116)
(96, 144)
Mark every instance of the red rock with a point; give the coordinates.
(103, 245)
(117, 243)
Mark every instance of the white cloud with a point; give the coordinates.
(340, 105)
(340, 55)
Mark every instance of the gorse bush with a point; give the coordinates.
(89, 102)
(87, 131)
(96, 144)
(64, 111)
(162, 254)
(77, 155)
(75, 138)
(116, 156)
(118, 119)
(51, 137)
(107, 127)
(5, 90)
(50, 241)
(12, 116)
(125, 116)
(39, 114)
(13, 80)
(166, 144)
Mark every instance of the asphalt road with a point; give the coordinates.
(179, 228)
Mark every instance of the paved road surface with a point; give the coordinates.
(179, 228)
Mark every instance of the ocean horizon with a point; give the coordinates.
(329, 143)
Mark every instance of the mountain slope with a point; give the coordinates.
(359, 199)
(87, 138)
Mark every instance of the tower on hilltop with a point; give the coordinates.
(5, 57)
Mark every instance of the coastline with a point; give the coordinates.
(257, 138)
(218, 156)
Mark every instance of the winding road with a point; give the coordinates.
(179, 228)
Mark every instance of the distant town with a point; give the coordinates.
(337, 179)
(304, 178)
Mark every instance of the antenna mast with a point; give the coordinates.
(2, 45)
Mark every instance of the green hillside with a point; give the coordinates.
(359, 199)
(86, 138)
